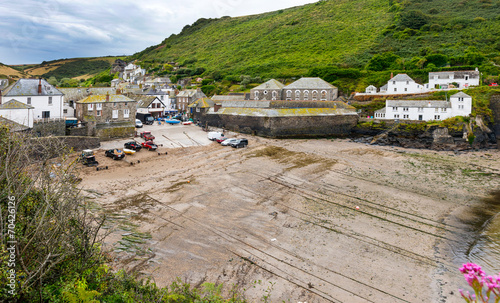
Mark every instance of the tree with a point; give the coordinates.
(438, 60)
(42, 210)
(380, 62)
(52, 81)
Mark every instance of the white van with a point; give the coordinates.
(215, 135)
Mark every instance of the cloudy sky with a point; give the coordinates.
(34, 31)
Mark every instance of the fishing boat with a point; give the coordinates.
(187, 123)
(129, 151)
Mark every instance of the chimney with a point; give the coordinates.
(39, 86)
(392, 75)
(107, 97)
(217, 107)
(0, 96)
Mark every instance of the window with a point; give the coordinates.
(29, 101)
(395, 89)
(46, 114)
(443, 110)
(256, 95)
(323, 95)
(115, 114)
(274, 95)
(461, 99)
(99, 113)
(460, 107)
(91, 106)
(315, 95)
(297, 95)
(50, 100)
(406, 89)
(289, 94)
(405, 109)
(396, 116)
(466, 77)
(437, 117)
(393, 82)
(406, 116)
(126, 113)
(197, 109)
(407, 82)
(306, 95)
(65, 111)
(98, 106)
(420, 109)
(265, 92)
(436, 110)
(394, 109)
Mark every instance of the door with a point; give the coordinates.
(420, 117)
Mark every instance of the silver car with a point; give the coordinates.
(228, 141)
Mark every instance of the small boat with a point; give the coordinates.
(187, 123)
(172, 121)
(129, 151)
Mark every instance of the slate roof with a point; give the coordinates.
(460, 95)
(153, 91)
(419, 103)
(271, 84)
(12, 126)
(401, 78)
(202, 103)
(29, 87)
(145, 101)
(187, 93)
(310, 83)
(473, 74)
(14, 104)
(384, 87)
(219, 98)
(102, 99)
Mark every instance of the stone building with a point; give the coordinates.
(305, 89)
(271, 90)
(186, 97)
(106, 109)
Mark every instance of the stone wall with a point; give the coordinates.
(285, 127)
(106, 133)
(77, 131)
(79, 143)
(52, 128)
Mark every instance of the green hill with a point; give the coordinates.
(361, 34)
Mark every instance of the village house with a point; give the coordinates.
(371, 89)
(200, 107)
(186, 97)
(460, 104)
(150, 105)
(106, 109)
(16, 111)
(403, 84)
(46, 100)
(453, 79)
(133, 72)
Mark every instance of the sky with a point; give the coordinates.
(34, 31)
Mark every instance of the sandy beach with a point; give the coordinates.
(325, 220)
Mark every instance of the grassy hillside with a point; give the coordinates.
(7, 71)
(282, 43)
(383, 35)
(71, 68)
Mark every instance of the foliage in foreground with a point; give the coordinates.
(486, 288)
(49, 241)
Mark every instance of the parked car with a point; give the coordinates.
(132, 145)
(87, 157)
(138, 123)
(220, 139)
(116, 154)
(214, 135)
(240, 143)
(149, 145)
(147, 136)
(228, 141)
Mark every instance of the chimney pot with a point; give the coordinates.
(107, 97)
(39, 86)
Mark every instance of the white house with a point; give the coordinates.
(371, 90)
(453, 79)
(132, 72)
(403, 84)
(46, 100)
(18, 112)
(426, 110)
(151, 105)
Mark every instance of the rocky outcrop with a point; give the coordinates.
(468, 136)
